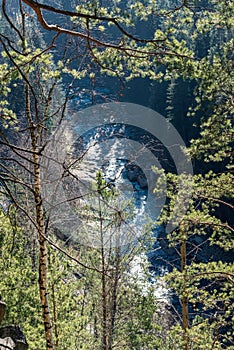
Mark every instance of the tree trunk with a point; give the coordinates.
(40, 228)
(42, 256)
(2, 310)
(113, 310)
(184, 298)
(104, 286)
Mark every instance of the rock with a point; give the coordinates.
(135, 174)
(16, 335)
(131, 175)
(7, 343)
(142, 181)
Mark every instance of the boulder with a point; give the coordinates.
(142, 181)
(132, 175)
(11, 337)
(7, 343)
(16, 335)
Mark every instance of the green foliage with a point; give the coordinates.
(7, 116)
(19, 289)
(203, 280)
(18, 283)
(192, 40)
(75, 292)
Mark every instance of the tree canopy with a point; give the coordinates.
(70, 296)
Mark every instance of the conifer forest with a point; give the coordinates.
(116, 174)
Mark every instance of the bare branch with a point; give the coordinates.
(37, 7)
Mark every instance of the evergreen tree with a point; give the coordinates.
(192, 40)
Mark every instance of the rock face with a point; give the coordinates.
(11, 337)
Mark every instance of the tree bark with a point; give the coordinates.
(40, 228)
(2, 310)
(184, 298)
(42, 255)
